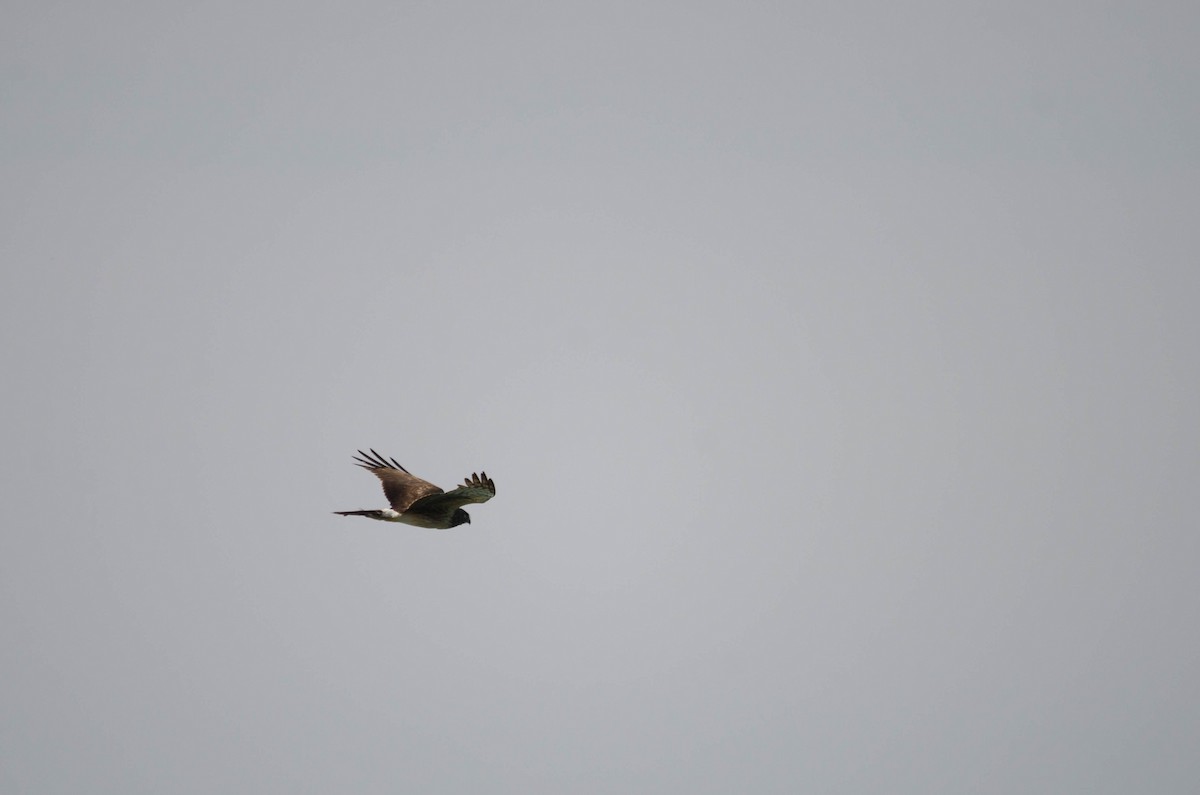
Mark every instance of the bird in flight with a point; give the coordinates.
(419, 502)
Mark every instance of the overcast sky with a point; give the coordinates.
(836, 365)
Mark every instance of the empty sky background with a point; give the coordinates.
(836, 365)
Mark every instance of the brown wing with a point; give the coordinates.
(401, 488)
(477, 488)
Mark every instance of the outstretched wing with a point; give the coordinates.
(401, 488)
(477, 488)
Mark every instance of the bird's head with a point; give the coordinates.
(460, 517)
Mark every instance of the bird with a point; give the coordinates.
(418, 502)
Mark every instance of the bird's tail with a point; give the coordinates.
(370, 514)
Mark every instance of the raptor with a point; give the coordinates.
(418, 502)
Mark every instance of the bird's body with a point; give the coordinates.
(418, 502)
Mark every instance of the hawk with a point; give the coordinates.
(419, 502)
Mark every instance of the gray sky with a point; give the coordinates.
(836, 365)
